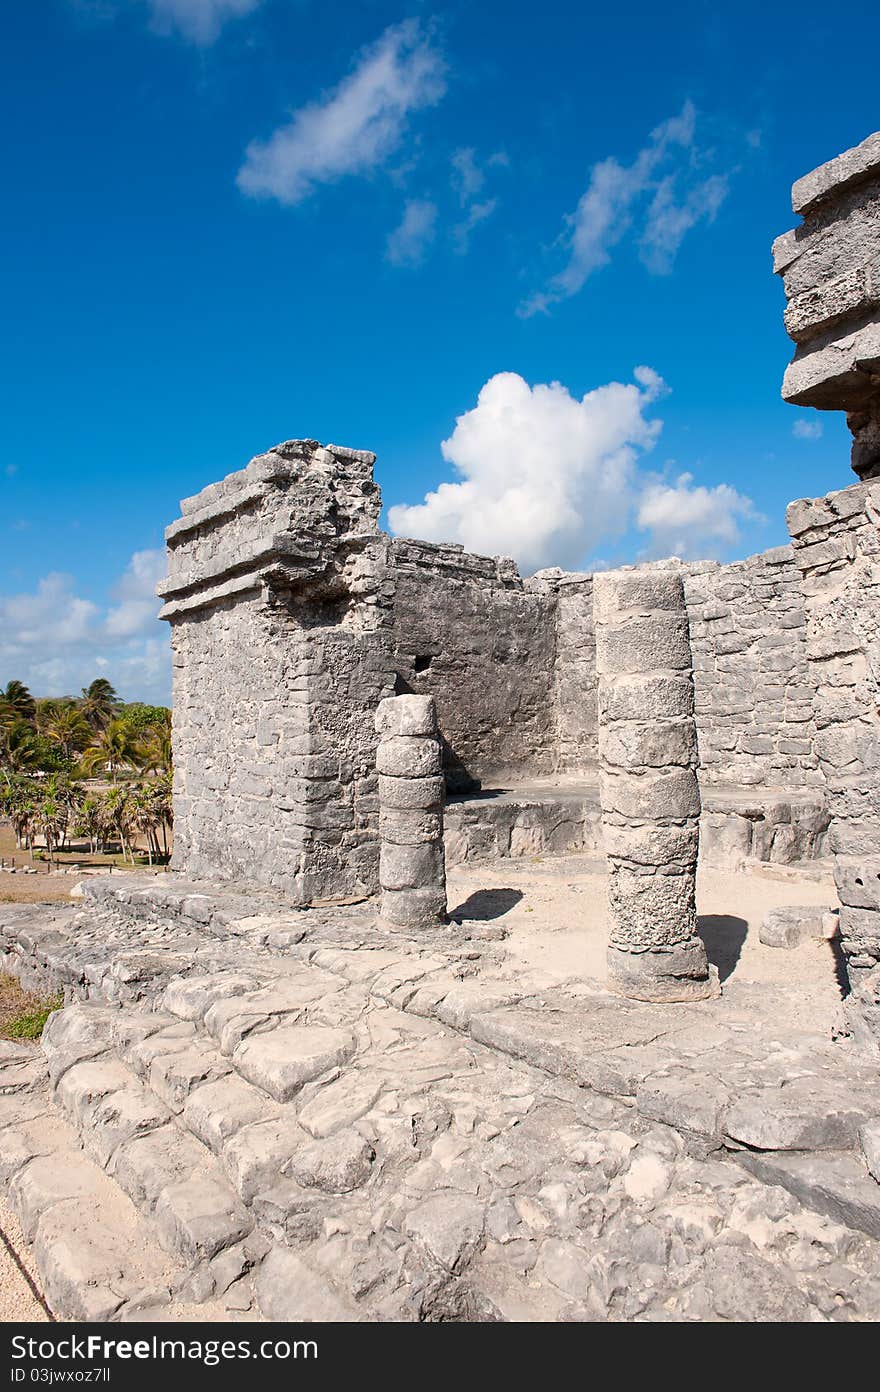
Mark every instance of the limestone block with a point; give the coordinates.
(411, 867)
(663, 795)
(403, 756)
(405, 794)
(450, 1227)
(281, 1061)
(652, 745)
(651, 910)
(415, 908)
(200, 1217)
(406, 715)
(869, 1139)
(793, 925)
(634, 695)
(288, 1290)
(410, 828)
(643, 644)
(338, 1164)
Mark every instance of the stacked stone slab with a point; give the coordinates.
(830, 266)
(412, 871)
(837, 546)
(648, 786)
(279, 600)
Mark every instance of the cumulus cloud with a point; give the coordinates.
(408, 243)
(354, 128)
(661, 195)
(544, 475)
(57, 642)
(804, 429)
(200, 21)
(547, 477)
(693, 522)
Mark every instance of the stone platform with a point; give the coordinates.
(296, 1114)
(559, 816)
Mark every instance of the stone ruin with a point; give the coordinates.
(295, 1082)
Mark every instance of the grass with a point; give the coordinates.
(24, 1013)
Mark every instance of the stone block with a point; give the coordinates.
(200, 1217)
(402, 756)
(795, 924)
(663, 795)
(643, 645)
(411, 867)
(414, 908)
(407, 794)
(406, 715)
(281, 1061)
(287, 1290)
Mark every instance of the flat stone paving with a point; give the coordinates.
(486, 1139)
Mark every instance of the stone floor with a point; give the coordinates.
(283, 1114)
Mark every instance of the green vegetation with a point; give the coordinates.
(22, 1013)
(49, 746)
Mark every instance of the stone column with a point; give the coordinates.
(412, 872)
(648, 786)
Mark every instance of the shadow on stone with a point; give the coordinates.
(841, 973)
(486, 903)
(723, 936)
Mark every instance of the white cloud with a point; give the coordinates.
(56, 642)
(544, 475)
(804, 429)
(136, 593)
(468, 182)
(353, 128)
(407, 244)
(694, 523)
(200, 21)
(663, 191)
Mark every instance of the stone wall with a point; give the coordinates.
(837, 546)
(279, 601)
(753, 697)
(754, 702)
(469, 632)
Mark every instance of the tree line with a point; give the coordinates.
(49, 746)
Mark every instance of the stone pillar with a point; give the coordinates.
(648, 786)
(412, 872)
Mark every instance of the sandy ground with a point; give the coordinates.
(555, 913)
(17, 1298)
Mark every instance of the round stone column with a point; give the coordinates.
(648, 786)
(412, 870)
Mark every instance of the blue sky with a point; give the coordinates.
(231, 222)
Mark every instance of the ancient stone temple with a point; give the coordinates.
(520, 954)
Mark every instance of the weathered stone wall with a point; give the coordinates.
(748, 636)
(837, 546)
(753, 697)
(830, 266)
(469, 632)
(279, 600)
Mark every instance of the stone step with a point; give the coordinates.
(96, 1256)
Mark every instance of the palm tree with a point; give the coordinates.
(113, 748)
(155, 747)
(18, 748)
(99, 703)
(68, 728)
(19, 699)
